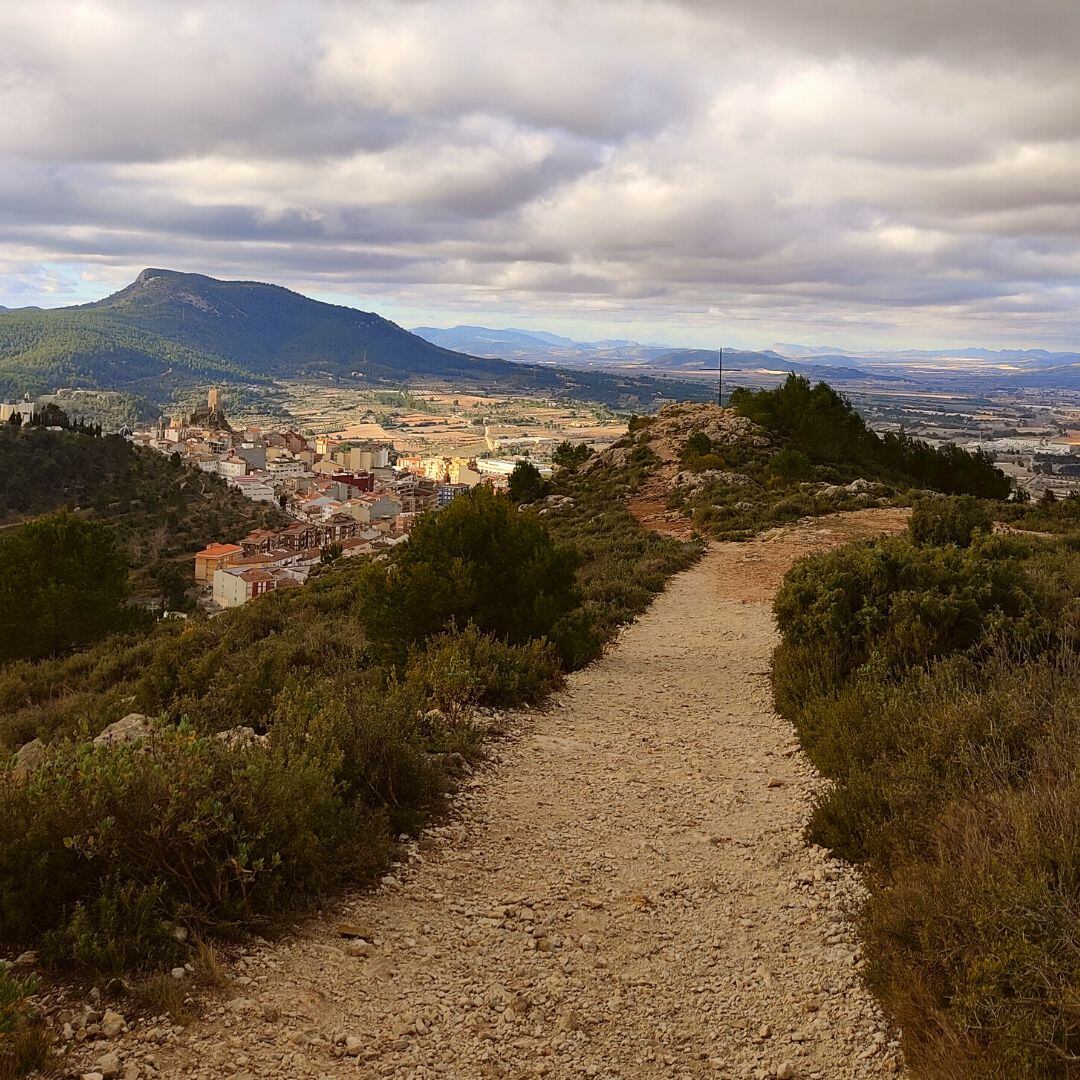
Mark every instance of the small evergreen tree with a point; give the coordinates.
(567, 455)
(526, 483)
(65, 583)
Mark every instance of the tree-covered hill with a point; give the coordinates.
(169, 329)
(162, 510)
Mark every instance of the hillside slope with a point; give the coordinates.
(169, 329)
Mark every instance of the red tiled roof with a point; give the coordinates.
(256, 575)
(214, 551)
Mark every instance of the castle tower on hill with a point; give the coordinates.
(211, 415)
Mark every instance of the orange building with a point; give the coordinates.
(213, 558)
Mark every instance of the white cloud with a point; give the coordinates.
(772, 169)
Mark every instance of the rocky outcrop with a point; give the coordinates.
(723, 427)
(861, 486)
(613, 457)
(133, 728)
(689, 482)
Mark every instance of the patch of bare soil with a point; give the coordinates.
(649, 506)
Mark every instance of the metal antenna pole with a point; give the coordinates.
(720, 376)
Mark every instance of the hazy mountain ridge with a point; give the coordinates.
(169, 329)
(622, 353)
(1008, 367)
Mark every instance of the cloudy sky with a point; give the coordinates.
(851, 172)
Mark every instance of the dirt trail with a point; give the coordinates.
(626, 893)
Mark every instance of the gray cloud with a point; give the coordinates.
(765, 169)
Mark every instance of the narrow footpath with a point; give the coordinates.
(626, 892)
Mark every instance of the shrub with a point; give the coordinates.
(698, 444)
(568, 455)
(1059, 516)
(947, 715)
(101, 844)
(824, 426)
(457, 671)
(121, 928)
(478, 561)
(955, 520)
(789, 465)
(25, 1045)
(891, 601)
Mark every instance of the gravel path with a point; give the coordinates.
(626, 894)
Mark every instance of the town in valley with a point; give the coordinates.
(357, 486)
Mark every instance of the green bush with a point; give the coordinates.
(458, 671)
(938, 687)
(789, 465)
(101, 844)
(955, 519)
(892, 602)
(568, 455)
(1059, 516)
(698, 444)
(121, 928)
(64, 584)
(25, 1045)
(478, 561)
(824, 426)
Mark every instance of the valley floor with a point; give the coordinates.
(626, 893)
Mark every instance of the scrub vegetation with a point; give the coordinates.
(935, 679)
(290, 741)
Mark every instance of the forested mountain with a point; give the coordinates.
(169, 329)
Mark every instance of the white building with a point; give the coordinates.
(256, 488)
(232, 467)
(25, 410)
(236, 585)
(365, 460)
(369, 508)
(283, 468)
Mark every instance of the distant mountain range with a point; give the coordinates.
(998, 358)
(540, 347)
(985, 368)
(169, 329)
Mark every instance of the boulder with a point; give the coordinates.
(133, 728)
(238, 738)
(108, 1065)
(678, 422)
(28, 757)
(691, 481)
(612, 458)
(112, 1023)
